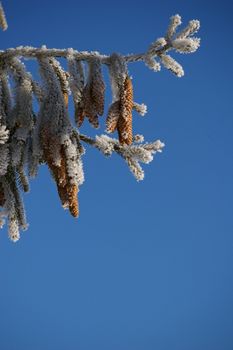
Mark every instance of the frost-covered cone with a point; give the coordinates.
(73, 160)
(53, 111)
(122, 94)
(76, 77)
(113, 116)
(62, 77)
(92, 101)
(72, 194)
(118, 72)
(76, 83)
(69, 186)
(124, 125)
(97, 86)
(65, 167)
(89, 108)
(54, 132)
(79, 114)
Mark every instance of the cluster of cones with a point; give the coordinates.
(67, 190)
(91, 106)
(92, 102)
(119, 114)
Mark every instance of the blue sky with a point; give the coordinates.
(147, 265)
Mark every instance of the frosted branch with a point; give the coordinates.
(49, 135)
(133, 154)
(158, 48)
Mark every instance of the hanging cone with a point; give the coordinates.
(124, 125)
(113, 117)
(72, 194)
(97, 86)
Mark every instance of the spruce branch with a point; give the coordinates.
(29, 139)
(133, 154)
(157, 49)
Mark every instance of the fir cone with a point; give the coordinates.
(97, 86)
(113, 117)
(58, 171)
(94, 121)
(125, 133)
(63, 78)
(124, 125)
(79, 114)
(67, 191)
(92, 101)
(72, 195)
(89, 109)
(97, 90)
(63, 196)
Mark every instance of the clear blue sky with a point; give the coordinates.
(147, 265)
